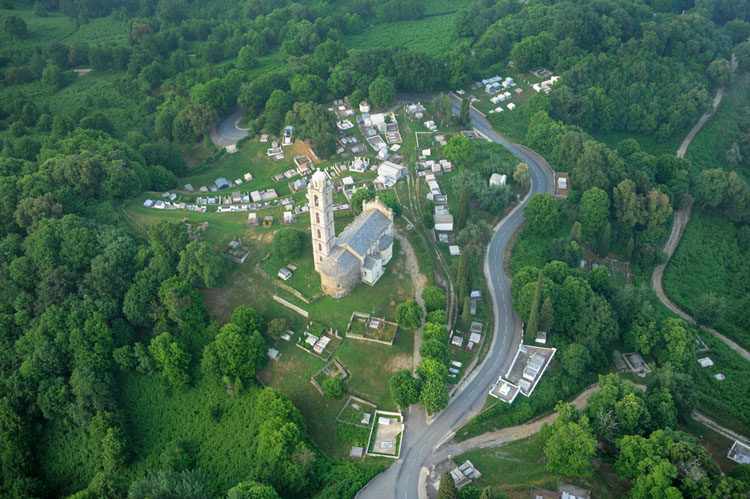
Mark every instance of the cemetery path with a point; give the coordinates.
(681, 219)
(718, 428)
(419, 281)
(422, 437)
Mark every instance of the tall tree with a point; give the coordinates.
(463, 118)
(409, 315)
(442, 106)
(235, 353)
(171, 359)
(464, 276)
(201, 266)
(546, 316)
(434, 396)
(447, 489)
(522, 176)
(605, 239)
(532, 326)
(15, 27)
(404, 388)
(541, 213)
(382, 92)
(460, 150)
(593, 211)
(464, 202)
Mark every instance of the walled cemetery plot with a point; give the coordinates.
(462, 475)
(385, 436)
(364, 327)
(334, 369)
(318, 340)
(524, 374)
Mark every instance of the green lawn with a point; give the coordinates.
(371, 364)
(304, 279)
(517, 466)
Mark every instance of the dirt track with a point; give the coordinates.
(681, 219)
(419, 281)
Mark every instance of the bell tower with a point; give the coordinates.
(320, 197)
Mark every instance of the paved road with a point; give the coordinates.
(402, 480)
(227, 131)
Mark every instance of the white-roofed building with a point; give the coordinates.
(389, 173)
(497, 179)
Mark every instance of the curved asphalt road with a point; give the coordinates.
(227, 131)
(420, 439)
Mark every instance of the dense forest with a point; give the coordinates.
(86, 300)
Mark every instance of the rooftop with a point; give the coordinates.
(363, 232)
(339, 263)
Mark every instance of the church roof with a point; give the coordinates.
(339, 263)
(364, 231)
(371, 260)
(384, 242)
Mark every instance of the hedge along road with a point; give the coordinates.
(421, 438)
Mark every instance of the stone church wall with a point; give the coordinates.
(339, 287)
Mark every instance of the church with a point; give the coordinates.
(360, 252)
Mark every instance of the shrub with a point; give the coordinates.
(333, 388)
(288, 243)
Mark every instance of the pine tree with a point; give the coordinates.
(464, 276)
(463, 206)
(532, 326)
(466, 315)
(447, 488)
(546, 316)
(605, 239)
(463, 117)
(629, 249)
(575, 232)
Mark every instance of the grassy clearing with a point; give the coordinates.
(727, 401)
(647, 142)
(54, 26)
(517, 466)
(433, 35)
(709, 260)
(371, 364)
(709, 147)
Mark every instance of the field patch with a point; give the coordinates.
(432, 35)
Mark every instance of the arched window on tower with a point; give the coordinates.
(320, 247)
(317, 218)
(319, 236)
(317, 201)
